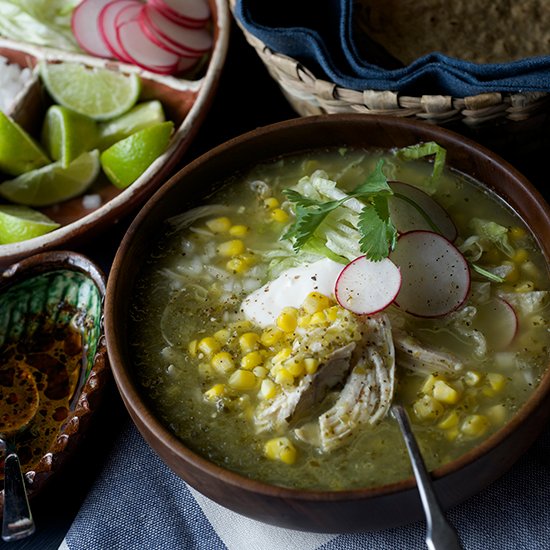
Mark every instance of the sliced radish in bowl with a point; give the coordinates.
(497, 320)
(365, 287)
(190, 13)
(194, 41)
(162, 42)
(85, 27)
(142, 51)
(406, 217)
(107, 25)
(436, 276)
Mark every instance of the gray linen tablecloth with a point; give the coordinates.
(138, 503)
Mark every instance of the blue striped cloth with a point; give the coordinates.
(319, 33)
(138, 503)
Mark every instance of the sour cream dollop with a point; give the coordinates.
(290, 290)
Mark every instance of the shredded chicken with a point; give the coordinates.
(411, 354)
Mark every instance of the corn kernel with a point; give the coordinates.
(268, 389)
(242, 380)
(513, 275)
(520, 255)
(450, 421)
(222, 335)
(304, 321)
(475, 425)
(219, 225)
(452, 434)
(270, 336)
(525, 286)
(517, 232)
(249, 341)
(216, 391)
(271, 203)
(281, 355)
(279, 215)
(294, 366)
(315, 301)
(530, 269)
(428, 408)
(311, 364)
(445, 393)
(318, 318)
(238, 230)
(231, 248)
(497, 414)
(209, 346)
(193, 348)
(237, 265)
(284, 377)
(252, 359)
(428, 386)
(260, 372)
(331, 313)
(472, 378)
(496, 381)
(223, 362)
(280, 448)
(287, 320)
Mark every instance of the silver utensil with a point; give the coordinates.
(440, 535)
(17, 522)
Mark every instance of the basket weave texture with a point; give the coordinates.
(310, 95)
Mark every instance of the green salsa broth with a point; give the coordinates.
(169, 312)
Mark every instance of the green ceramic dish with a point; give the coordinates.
(51, 325)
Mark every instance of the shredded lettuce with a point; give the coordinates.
(495, 233)
(420, 150)
(42, 22)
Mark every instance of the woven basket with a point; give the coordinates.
(309, 95)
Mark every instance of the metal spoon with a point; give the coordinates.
(440, 535)
(17, 522)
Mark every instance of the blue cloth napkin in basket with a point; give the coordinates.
(138, 503)
(319, 33)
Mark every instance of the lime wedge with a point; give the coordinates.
(18, 151)
(137, 118)
(96, 92)
(67, 134)
(128, 158)
(20, 223)
(53, 183)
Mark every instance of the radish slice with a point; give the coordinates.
(190, 13)
(496, 319)
(85, 27)
(194, 41)
(365, 287)
(106, 22)
(157, 38)
(436, 277)
(407, 218)
(142, 51)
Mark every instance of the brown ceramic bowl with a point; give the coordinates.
(321, 511)
(52, 325)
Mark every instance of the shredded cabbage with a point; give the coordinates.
(42, 22)
(493, 232)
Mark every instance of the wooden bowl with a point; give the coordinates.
(52, 319)
(320, 511)
(186, 100)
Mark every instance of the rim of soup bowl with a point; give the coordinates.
(537, 219)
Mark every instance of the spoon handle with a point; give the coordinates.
(440, 535)
(17, 522)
